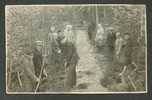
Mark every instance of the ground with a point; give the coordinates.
(95, 69)
(88, 70)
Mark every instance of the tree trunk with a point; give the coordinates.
(97, 17)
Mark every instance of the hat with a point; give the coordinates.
(110, 28)
(118, 34)
(52, 28)
(69, 26)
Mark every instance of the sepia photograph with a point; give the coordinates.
(76, 49)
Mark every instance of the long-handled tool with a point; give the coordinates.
(40, 76)
(19, 79)
(41, 71)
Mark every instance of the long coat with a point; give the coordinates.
(125, 56)
(71, 59)
(37, 61)
(111, 38)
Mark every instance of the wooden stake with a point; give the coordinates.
(132, 83)
(97, 17)
(9, 75)
(19, 79)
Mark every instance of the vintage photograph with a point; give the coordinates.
(85, 48)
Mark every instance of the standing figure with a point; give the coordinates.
(53, 45)
(38, 59)
(111, 37)
(49, 44)
(91, 31)
(100, 37)
(125, 58)
(118, 43)
(125, 52)
(71, 57)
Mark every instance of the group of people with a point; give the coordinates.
(44, 55)
(63, 43)
(118, 47)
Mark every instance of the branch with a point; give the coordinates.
(132, 83)
(19, 79)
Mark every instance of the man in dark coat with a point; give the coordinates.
(71, 57)
(125, 55)
(91, 31)
(111, 38)
(38, 59)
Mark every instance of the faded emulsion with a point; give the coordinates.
(76, 49)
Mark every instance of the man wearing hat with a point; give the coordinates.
(38, 59)
(111, 38)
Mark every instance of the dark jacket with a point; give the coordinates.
(37, 61)
(71, 57)
(126, 52)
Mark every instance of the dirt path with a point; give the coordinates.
(88, 70)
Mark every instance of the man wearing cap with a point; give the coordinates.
(38, 59)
